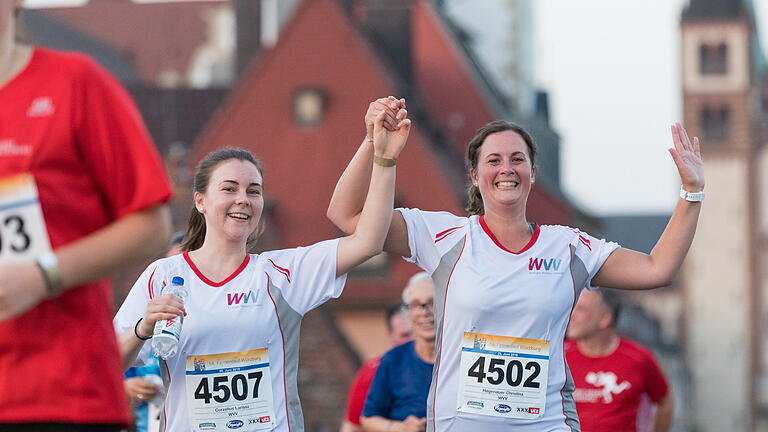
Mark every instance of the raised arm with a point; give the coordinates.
(373, 221)
(352, 188)
(628, 269)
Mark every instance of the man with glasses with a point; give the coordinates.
(397, 400)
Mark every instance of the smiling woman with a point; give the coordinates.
(504, 286)
(238, 351)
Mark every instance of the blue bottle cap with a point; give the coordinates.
(177, 280)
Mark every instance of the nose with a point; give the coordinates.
(242, 198)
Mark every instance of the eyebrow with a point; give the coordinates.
(234, 182)
(499, 154)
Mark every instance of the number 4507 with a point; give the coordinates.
(237, 389)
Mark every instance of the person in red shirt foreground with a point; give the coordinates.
(398, 333)
(612, 374)
(82, 195)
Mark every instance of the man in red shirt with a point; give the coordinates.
(399, 332)
(82, 195)
(612, 375)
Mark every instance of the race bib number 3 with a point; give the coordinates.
(503, 376)
(231, 391)
(23, 236)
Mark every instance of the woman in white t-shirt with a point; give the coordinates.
(505, 287)
(238, 353)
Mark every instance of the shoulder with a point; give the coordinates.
(397, 354)
(73, 63)
(634, 350)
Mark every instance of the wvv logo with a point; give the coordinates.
(242, 299)
(544, 265)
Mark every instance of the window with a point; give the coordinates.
(309, 106)
(715, 123)
(713, 59)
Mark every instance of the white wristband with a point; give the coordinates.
(691, 196)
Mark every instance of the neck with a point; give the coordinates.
(12, 55)
(510, 228)
(425, 349)
(217, 259)
(600, 344)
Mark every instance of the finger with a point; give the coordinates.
(684, 135)
(403, 113)
(676, 139)
(696, 146)
(675, 157)
(402, 102)
(405, 124)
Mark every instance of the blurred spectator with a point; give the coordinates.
(397, 400)
(612, 374)
(399, 332)
(85, 191)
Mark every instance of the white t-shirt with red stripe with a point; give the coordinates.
(258, 306)
(487, 293)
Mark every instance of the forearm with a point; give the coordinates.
(129, 346)
(673, 245)
(662, 421)
(124, 242)
(351, 190)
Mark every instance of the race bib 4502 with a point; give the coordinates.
(503, 376)
(23, 236)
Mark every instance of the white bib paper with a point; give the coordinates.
(503, 376)
(23, 236)
(230, 391)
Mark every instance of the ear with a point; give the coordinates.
(199, 202)
(473, 176)
(605, 321)
(533, 174)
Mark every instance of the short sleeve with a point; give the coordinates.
(379, 401)
(115, 145)
(592, 252)
(658, 387)
(146, 287)
(306, 275)
(429, 234)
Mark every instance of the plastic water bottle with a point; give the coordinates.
(165, 340)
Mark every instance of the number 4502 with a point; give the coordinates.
(513, 374)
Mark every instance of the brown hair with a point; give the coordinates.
(475, 199)
(195, 234)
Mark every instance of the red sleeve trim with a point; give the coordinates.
(284, 271)
(490, 234)
(441, 235)
(202, 277)
(149, 284)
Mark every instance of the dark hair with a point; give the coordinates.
(475, 200)
(612, 302)
(195, 234)
(392, 310)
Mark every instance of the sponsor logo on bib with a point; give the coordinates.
(207, 426)
(502, 408)
(235, 424)
(475, 404)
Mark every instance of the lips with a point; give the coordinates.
(507, 184)
(239, 216)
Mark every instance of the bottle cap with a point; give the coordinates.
(177, 280)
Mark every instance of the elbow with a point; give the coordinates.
(338, 220)
(158, 232)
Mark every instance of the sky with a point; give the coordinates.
(612, 71)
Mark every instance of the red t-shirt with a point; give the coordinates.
(609, 389)
(358, 391)
(69, 123)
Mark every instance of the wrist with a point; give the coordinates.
(695, 194)
(48, 264)
(140, 331)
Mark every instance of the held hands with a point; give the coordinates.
(387, 125)
(687, 157)
(163, 307)
(139, 390)
(413, 424)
